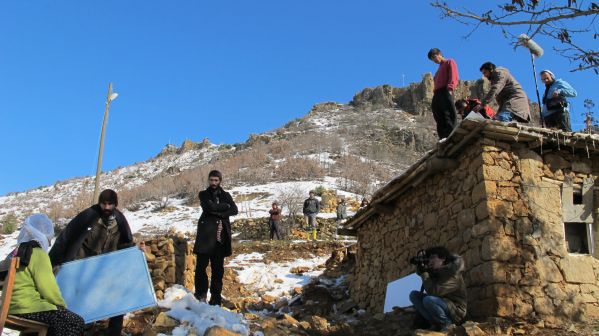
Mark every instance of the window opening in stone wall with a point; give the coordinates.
(577, 197)
(577, 238)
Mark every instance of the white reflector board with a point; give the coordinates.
(107, 285)
(398, 291)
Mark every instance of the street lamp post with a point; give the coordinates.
(111, 96)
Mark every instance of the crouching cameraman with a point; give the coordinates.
(444, 302)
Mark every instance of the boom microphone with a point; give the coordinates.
(531, 45)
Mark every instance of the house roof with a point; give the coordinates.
(468, 131)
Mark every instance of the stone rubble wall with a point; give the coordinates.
(525, 268)
(501, 210)
(441, 210)
(171, 261)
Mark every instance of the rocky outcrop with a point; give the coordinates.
(186, 146)
(378, 97)
(167, 150)
(324, 107)
(415, 98)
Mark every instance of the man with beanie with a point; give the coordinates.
(445, 82)
(99, 229)
(213, 238)
(556, 108)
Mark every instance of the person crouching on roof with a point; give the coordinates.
(465, 106)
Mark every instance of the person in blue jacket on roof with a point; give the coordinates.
(556, 108)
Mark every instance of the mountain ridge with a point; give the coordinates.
(365, 142)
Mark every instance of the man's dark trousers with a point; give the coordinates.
(444, 112)
(560, 120)
(217, 267)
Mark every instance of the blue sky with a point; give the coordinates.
(220, 69)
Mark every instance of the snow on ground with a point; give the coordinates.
(8, 244)
(199, 315)
(148, 219)
(260, 197)
(274, 279)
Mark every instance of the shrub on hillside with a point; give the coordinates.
(296, 169)
(318, 191)
(360, 176)
(9, 222)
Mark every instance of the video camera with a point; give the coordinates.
(421, 259)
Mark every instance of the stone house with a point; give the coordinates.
(518, 203)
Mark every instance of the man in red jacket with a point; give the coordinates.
(445, 80)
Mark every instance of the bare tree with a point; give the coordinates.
(292, 198)
(560, 20)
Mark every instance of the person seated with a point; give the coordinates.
(465, 106)
(36, 295)
(444, 302)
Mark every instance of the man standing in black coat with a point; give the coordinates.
(99, 229)
(213, 238)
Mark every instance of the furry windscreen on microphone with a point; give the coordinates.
(531, 45)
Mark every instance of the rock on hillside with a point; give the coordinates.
(415, 98)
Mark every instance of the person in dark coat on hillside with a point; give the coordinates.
(444, 302)
(445, 82)
(274, 220)
(213, 238)
(556, 108)
(99, 229)
(512, 100)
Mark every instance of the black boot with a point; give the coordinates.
(215, 300)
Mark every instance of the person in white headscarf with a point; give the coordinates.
(38, 228)
(36, 295)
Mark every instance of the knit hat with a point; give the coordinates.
(549, 72)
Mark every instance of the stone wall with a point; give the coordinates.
(524, 268)
(171, 261)
(502, 211)
(441, 210)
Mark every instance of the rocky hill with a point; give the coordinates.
(362, 144)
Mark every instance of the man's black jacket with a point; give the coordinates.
(216, 204)
(69, 241)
